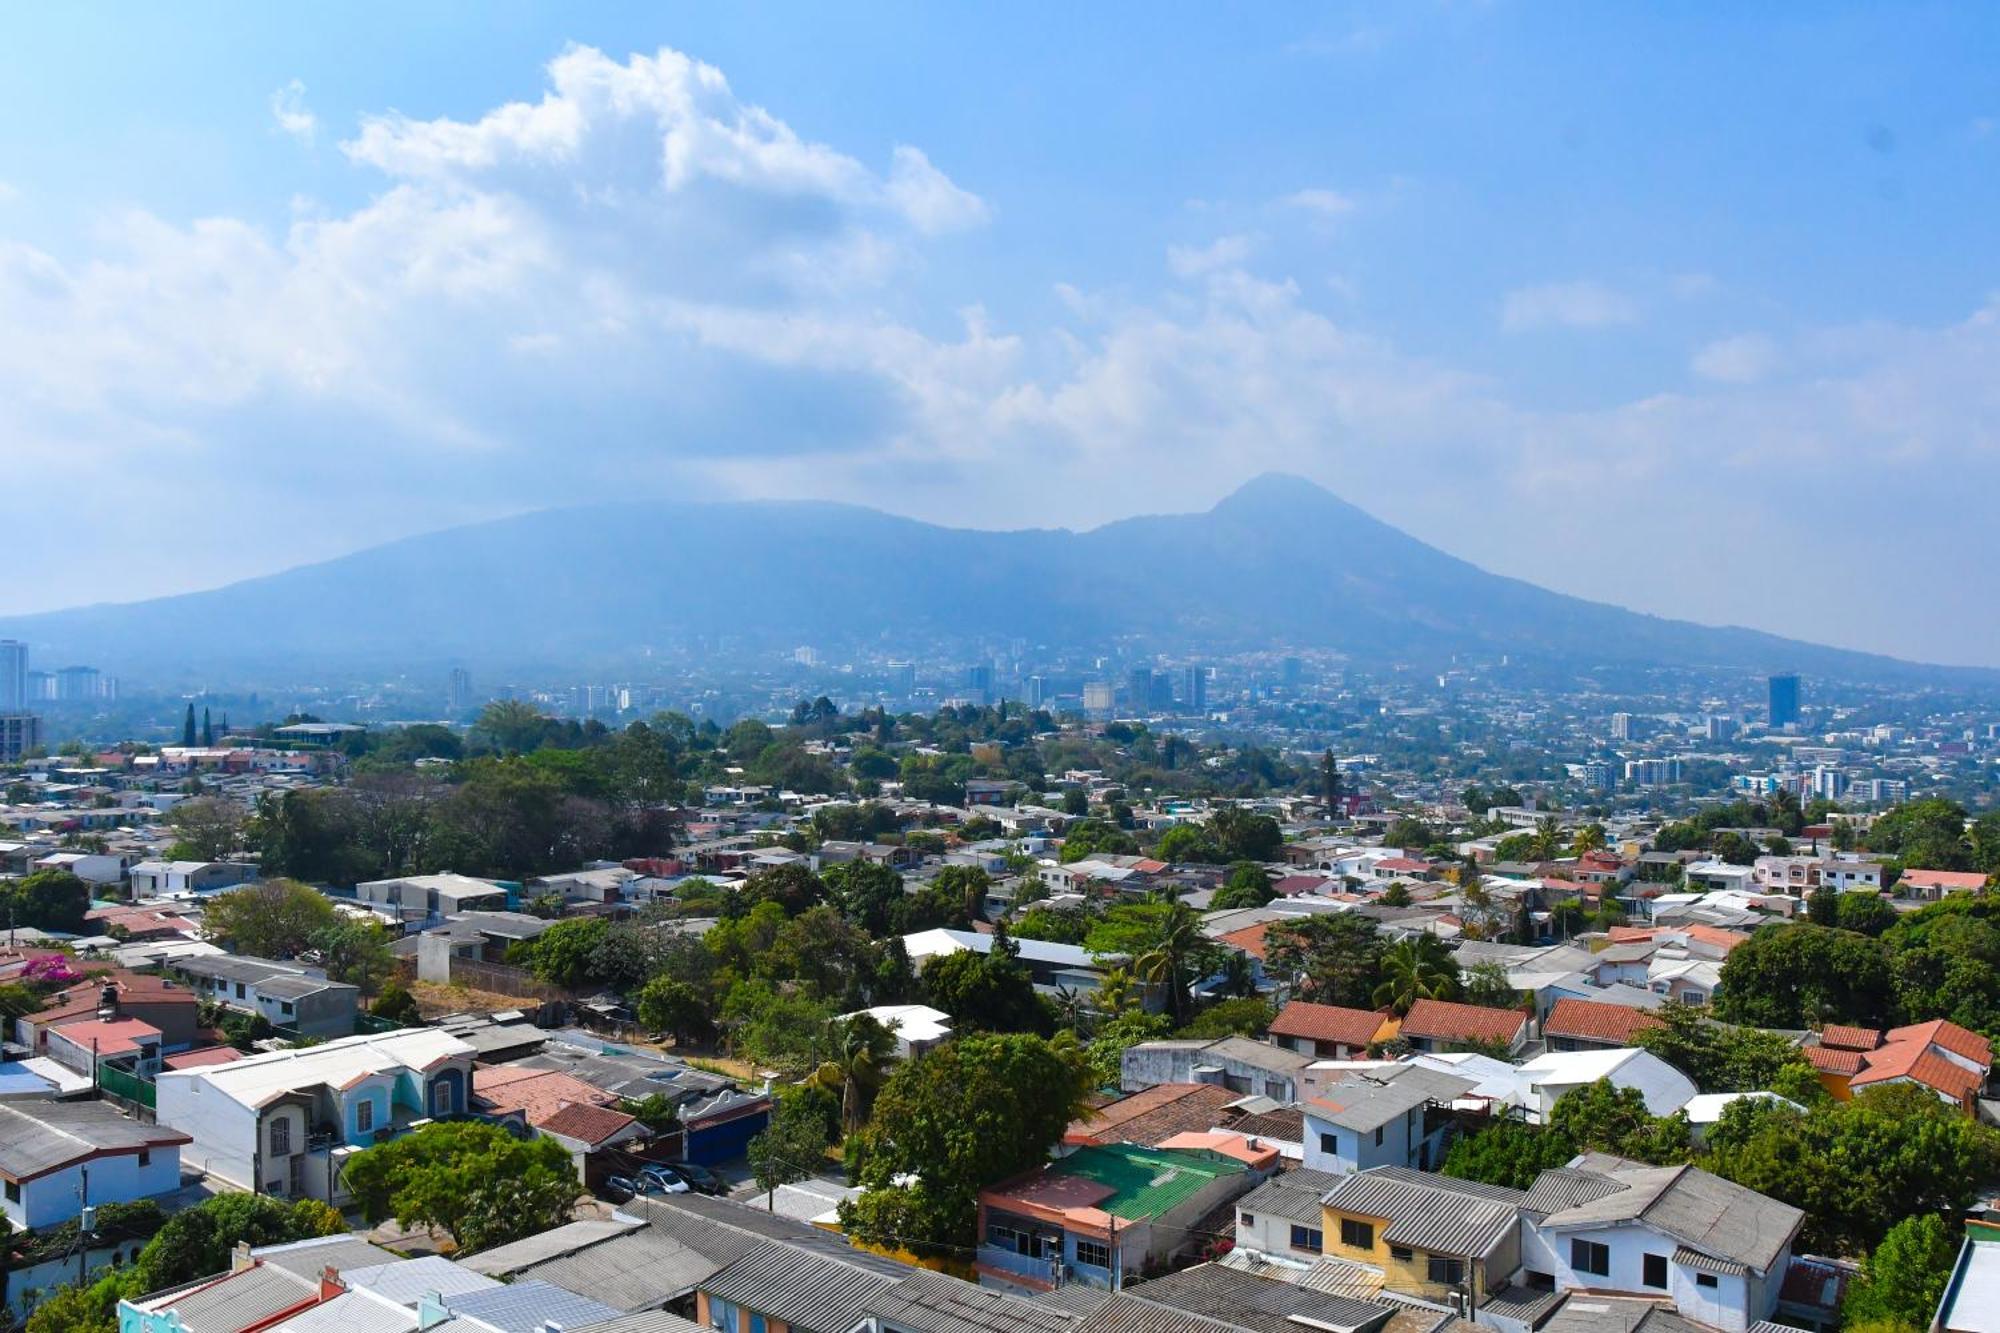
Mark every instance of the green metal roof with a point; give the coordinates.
(1146, 1181)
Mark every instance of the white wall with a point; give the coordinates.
(1725, 1305)
(52, 1199)
(224, 1130)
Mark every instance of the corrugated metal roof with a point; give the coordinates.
(1432, 1213)
(406, 1280)
(927, 1302)
(237, 1300)
(812, 1292)
(646, 1321)
(504, 1260)
(38, 1136)
(525, 1307)
(1562, 1187)
(1708, 1263)
(310, 1258)
(1264, 1304)
(1290, 1194)
(1127, 1313)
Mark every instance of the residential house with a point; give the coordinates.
(1330, 1031)
(916, 1027)
(1851, 873)
(1718, 1251)
(430, 897)
(1951, 1061)
(1218, 1295)
(1108, 1211)
(1055, 968)
(1543, 1081)
(1393, 1116)
(88, 1044)
(1430, 1236)
(48, 1149)
(477, 937)
(287, 995)
(286, 1122)
(171, 1010)
(1158, 1113)
(1281, 1219)
(1443, 1025)
(1931, 885)
(582, 1118)
(807, 1286)
(166, 879)
(927, 1302)
(1237, 1063)
(1576, 1025)
(718, 1119)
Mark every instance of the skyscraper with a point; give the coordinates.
(13, 675)
(1139, 689)
(1621, 726)
(1194, 689)
(979, 681)
(458, 693)
(1784, 700)
(1037, 691)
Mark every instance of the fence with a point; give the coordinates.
(504, 979)
(127, 1087)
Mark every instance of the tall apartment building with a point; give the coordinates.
(1784, 700)
(13, 675)
(458, 691)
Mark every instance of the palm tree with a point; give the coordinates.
(1589, 838)
(1418, 968)
(862, 1050)
(1165, 961)
(1114, 992)
(1547, 839)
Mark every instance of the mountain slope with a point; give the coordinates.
(1279, 564)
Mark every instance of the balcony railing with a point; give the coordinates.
(1021, 1265)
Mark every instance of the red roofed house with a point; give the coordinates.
(1330, 1031)
(1441, 1025)
(1588, 1025)
(82, 1044)
(174, 1011)
(1157, 1113)
(1931, 885)
(1940, 1055)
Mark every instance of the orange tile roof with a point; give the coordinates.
(1233, 1146)
(589, 1124)
(1944, 1033)
(1447, 1021)
(1916, 1061)
(536, 1093)
(1828, 1060)
(1250, 940)
(1327, 1022)
(1156, 1113)
(1724, 940)
(1594, 1020)
(1945, 879)
(1846, 1038)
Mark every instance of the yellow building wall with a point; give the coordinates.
(1410, 1275)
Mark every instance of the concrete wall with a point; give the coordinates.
(52, 1199)
(1729, 1304)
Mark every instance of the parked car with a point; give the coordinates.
(619, 1189)
(663, 1180)
(704, 1180)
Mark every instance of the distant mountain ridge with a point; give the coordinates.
(1279, 564)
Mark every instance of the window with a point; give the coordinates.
(1447, 1271)
(1329, 1143)
(145, 1157)
(281, 1137)
(1245, 1220)
(440, 1098)
(13, 1191)
(1588, 1256)
(1276, 1090)
(240, 992)
(1309, 1239)
(1094, 1253)
(1358, 1235)
(1378, 1136)
(284, 1006)
(1704, 1279)
(1655, 1274)
(1402, 1254)
(364, 1116)
(757, 1324)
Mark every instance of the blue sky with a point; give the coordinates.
(1692, 309)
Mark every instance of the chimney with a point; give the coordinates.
(107, 1002)
(330, 1284)
(239, 1258)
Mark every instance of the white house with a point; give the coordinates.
(1718, 1251)
(1280, 1220)
(46, 1147)
(286, 1123)
(917, 1027)
(1543, 1080)
(1381, 1118)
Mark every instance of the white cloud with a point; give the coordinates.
(288, 108)
(1568, 305)
(1194, 261)
(1324, 204)
(1743, 359)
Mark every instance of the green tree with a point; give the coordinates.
(474, 1180)
(1801, 975)
(54, 900)
(1246, 1016)
(1602, 1118)
(1093, 837)
(1168, 958)
(562, 954)
(1188, 844)
(989, 992)
(1718, 1057)
(1246, 886)
(1244, 836)
(1509, 1153)
(357, 953)
(198, 1241)
(867, 893)
(1329, 783)
(397, 1004)
(1904, 1278)
(1104, 1055)
(1486, 984)
(206, 828)
(1333, 958)
(1075, 802)
(187, 728)
(793, 1145)
(273, 918)
(671, 1006)
(1417, 968)
(510, 726)
(952, 1121)
(860, 1052)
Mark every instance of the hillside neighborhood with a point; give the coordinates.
(969, 1026)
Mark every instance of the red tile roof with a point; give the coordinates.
(1446, 1021)
(1949, 1036)
(1594, 1020)
(536, 1093)
(1724, 940)
(1248, 940)
(1945, 879)
(1327, 1022)
(1845, 1038)
(207, 1055)
(589, 1124)
(1160, 1112)
(1916, 1061)
(1828, 1060)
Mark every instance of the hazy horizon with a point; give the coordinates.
(1692, 313)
